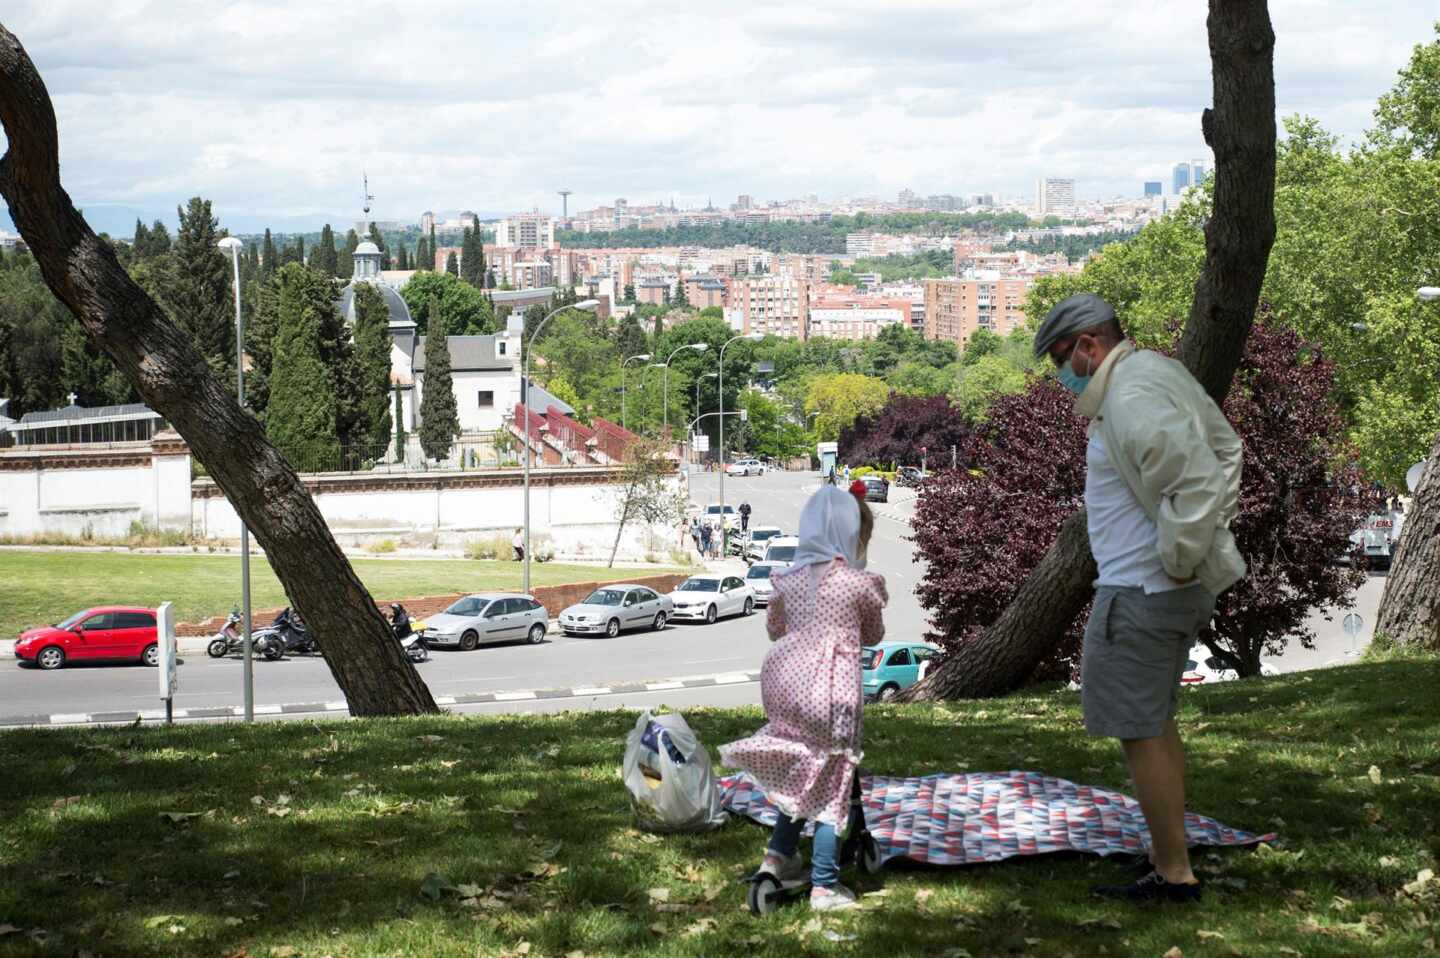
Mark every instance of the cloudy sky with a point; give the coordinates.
(272, 109)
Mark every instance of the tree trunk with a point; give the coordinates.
(1240, 128)
(1410, 607)
(368, 664)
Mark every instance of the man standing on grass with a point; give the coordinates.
(1161, 487)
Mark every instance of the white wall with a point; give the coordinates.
(46, 491)
(474, 417)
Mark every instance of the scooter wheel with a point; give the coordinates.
(870, 861)
(217, 649)
(764, 895)
(273, 653)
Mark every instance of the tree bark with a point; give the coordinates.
(81, 269)
(1240, 129)
(1410, 606)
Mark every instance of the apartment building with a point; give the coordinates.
(811, 268)
(703, 291)
(776, 305)
(855, 318)
(956, 308)
(527, 230)
(1054, 197)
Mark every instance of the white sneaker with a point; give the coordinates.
(837, 898)
(785, 868)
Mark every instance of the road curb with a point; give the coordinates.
(157, 716)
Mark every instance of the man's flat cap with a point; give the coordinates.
(1071, 315)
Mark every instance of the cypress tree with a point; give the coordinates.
(159, 239)
(424, 259)
(352, 240)
(325, 259)
(451, 266)
(680, 298)
(300, 415)
(431, 247)
(399, 426)
(402, 259)
(300, 249)
(197, 290)
(268, 261)
(140, 245)
(263, 298)
(379, 241)
(439, 417)
(372, 367)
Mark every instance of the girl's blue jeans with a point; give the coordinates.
(824, 862)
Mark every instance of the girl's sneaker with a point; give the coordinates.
(835, 898)
(785, 868)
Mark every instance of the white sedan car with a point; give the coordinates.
(745, 467)
(706, 598)
(757, 539)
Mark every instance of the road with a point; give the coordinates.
(726, 649)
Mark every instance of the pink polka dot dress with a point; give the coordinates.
(807, 751)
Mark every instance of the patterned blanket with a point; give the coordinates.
(989, 816)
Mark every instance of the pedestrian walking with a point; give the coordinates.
(695, 534)
(706, 534)
(825, 607)
(1161, 488)
(517, 542)
(684, 530)
(745, 517)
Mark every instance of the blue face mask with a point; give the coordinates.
(1068, 378)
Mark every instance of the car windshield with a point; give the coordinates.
(760, 535)
(868, 657)
(700, 585)
(758, 572)
(715, 510)
(465, 606)
(781, 553)
(74, 620)
(605, 597)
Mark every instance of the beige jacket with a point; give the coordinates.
(1176, 451)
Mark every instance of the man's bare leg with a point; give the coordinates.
(1157, 767)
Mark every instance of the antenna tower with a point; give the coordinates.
(565, 203)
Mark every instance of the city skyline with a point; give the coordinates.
(272, 110)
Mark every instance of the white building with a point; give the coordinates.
(527, 230)
(1054, 197)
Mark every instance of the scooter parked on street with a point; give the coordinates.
(416, 648)
(287, 635)
(228, 641)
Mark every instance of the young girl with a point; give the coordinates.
(824, 608)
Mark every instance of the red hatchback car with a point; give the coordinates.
(104, 632)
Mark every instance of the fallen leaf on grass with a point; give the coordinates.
(1204, 935)
(659, 894)
(284, 951)
(1423, 878)
(9, 930)
(1109, 924)
(1174, 952)
(429, 739)
(837, 936)
(1374, 774)
(179, 818)
(233, 922)
(469, 891)
(158, 921)
(238, 952)
(699, 927)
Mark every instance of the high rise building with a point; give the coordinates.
(744, 201)
(528, 230)
(775, 304)
(956, 308)
(1054, 197)
(1154, 188)
(1197, 172)
(1180, 178)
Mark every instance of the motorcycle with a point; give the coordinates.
(415, 649)
(286, 635)
(228, 640)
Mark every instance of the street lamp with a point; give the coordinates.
(622, 385)
(233, 246)
(588, 305)
(698, 381)
(751, 337)
(665, 387)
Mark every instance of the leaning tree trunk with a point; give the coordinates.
(1241, 130)
(368, 664)
(1410, 606)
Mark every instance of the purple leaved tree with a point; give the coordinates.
(907, 424)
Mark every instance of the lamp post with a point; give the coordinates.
(665, 385)
(754, 338)
(698, 381)
(587, 305)
(233, 246)
(622, 385)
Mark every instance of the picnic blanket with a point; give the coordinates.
(974, 817)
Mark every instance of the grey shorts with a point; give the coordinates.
(1136, 646)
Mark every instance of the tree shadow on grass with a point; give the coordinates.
(322, 834)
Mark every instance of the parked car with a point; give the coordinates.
(745, 467)
(117, 632)
(757, 577)
(877, 489)
(708, 597)
(780, 550)
(759, 537)
(891, 667)
(486, 618)
(909, 476)
(715, 511)
(611, 609)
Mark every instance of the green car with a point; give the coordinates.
(891, 667)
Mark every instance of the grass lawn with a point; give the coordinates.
(45, 587)
(317, 839)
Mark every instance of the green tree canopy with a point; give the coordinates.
(300, 418)
(439, 416)
(466, 310)
(840, 398)
(372, 368)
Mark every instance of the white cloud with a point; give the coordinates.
(274, 107)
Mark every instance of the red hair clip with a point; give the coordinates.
(858, 489)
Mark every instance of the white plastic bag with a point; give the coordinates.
(667, 772)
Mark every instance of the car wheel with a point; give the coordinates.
(151, 655)
(217, 648)
(749, 606)
(469, 641)
(537, 634)
(888, 693)
(612, 628)
(659, 624)
(50, 658)
(711, 614)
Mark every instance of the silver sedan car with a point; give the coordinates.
(486, 618)
(611, 609)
